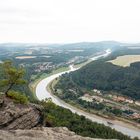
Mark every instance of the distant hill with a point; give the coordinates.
(78, 44)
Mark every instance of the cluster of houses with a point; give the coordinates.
(135, 116)
(90, 98)
(122, 99)
(43, 66)
(137, 103)
(97, 91)
(98, 99)
(118, 98)
(130, 113)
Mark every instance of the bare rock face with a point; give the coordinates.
(17, 116)
(23, 122)
(56, 133)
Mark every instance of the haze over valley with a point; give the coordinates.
(70, 70)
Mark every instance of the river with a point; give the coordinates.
(43, 93)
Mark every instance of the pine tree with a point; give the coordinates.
(12, 76)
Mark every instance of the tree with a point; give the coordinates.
(12, 76)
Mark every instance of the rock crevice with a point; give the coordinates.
(17, 116)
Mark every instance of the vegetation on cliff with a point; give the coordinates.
(56, 116)
(12, 77)
(52, 114)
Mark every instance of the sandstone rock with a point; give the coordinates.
(18, 122)
(17, 116)
(44, 133)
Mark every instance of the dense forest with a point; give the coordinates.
(56, 116)
(105, 76)
(63, 54)
(52, 114)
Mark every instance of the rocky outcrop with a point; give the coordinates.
(18, 116)
(24, 122)
(57, 133)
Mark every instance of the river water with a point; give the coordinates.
(43, 93)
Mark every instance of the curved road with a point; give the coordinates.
(42, 93)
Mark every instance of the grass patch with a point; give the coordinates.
(18, 97)
(125, 60)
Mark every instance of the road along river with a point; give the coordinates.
(43, 93)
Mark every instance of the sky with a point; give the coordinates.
(65, 21)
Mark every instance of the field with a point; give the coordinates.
(25, 57)
(125, 60)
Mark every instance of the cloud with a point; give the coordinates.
(69, 20)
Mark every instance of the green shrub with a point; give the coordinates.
(56, 116)
(18, 97)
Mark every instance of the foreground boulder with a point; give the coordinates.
(44, 133)
(24, 122)
(18, 116)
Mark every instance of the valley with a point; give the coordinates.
(53, 73)
(70, 70)
(126, 128)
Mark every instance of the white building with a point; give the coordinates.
(137, 103)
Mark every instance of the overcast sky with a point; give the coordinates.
(58, 21)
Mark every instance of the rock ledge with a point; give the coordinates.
(42, 133)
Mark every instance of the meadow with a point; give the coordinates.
(125, 60)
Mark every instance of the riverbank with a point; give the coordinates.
(111, 121)
(33, 84)
(42, 93)
(116, 124)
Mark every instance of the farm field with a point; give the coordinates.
(25, 57)
(125, 60)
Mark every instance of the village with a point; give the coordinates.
(115, 101)
(39, 67)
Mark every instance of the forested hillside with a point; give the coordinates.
(56, 116)
(107, 77)
(51, 115)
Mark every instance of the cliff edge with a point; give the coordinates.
(18, 116)
(44, 133)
